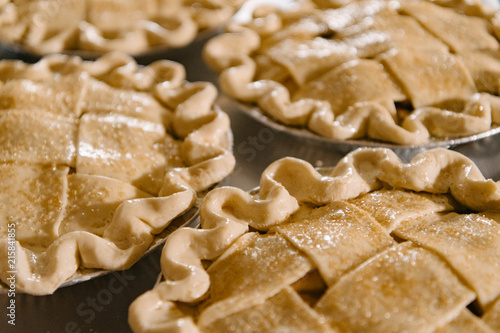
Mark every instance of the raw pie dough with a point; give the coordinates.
(399, 71)
(49, 26)
(370, 245)
(96, 158)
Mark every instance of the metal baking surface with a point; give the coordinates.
(101, 304)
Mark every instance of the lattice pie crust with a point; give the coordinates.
(400, 71)
(98, 157)
(131, 26)
(371, 245)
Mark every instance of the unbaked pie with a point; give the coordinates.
(96, 158)
(402, 72)
(371, 245)
(132, 26)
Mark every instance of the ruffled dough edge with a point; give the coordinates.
(206, 148)
(145, 35)
(229, 54)
(279, 195)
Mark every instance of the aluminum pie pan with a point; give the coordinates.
(255, 113)
(254, 192)
(188, 219)
(21, 52)
(404, 151)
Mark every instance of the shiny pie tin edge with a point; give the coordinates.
(188, 219)
(302, 133)
(21, 52)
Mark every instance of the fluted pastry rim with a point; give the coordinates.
(227, 213)
(206, 137)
